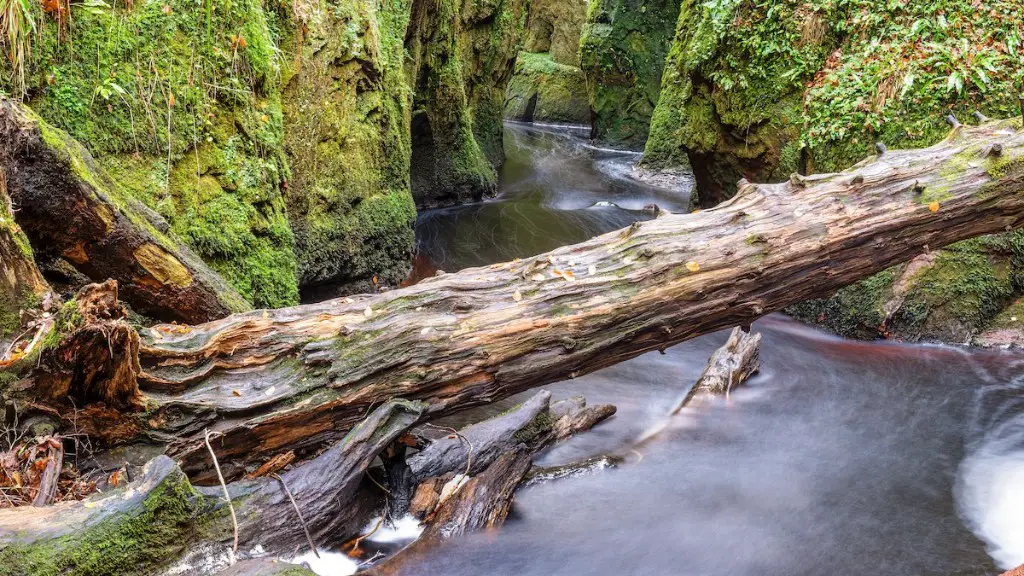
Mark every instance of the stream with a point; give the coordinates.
(840, 457)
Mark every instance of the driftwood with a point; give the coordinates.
(528, 429)
(296, 378)
(70, 209)
(729, 366)
(330, 491)
(466, 481)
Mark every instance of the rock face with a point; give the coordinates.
(346, 114)
(543, 90)
(181, 107)
(622, 50)
(764, 89)
(554, 27)
(278, 140)
(461, 57)
(548, 84)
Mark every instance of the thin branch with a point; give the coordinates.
(227, 495)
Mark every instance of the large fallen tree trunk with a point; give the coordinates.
(271, 381)
(70, 209)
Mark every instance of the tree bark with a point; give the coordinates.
(23, 290)
(70, 209)
(729, 366)
(292, 379)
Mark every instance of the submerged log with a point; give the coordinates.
(729, 366)
(527, 429)
(293, 379)
(70, 209)
(467, 481)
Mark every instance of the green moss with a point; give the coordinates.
(956, 297)
(151, 94)
(347, 108)
(543, 90)
(854, 311)
(461, 59)
(541, 424)
(121, 544)
(622, 49)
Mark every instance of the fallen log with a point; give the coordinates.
(729, 366)
(293, 379)
(70, 209)
(466, 482)
(160, 516)
(467, 453)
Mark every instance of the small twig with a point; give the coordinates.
(358, 541)
(302, 521)
(376, 556)
(227, 495)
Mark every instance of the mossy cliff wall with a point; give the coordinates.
(732, 87)
(543, 90)
(181, 106)
(554, 27)
(764, 89)
(275, 138)
(548, 84)
(622, 50)
(750, 88)
(461, 58)
(346, 110)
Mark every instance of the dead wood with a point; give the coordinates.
(297, 378)
(730, 366)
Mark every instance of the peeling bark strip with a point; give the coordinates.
(273, 381)
(70, 209)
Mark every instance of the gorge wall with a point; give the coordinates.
(283, 142)
(622, 50)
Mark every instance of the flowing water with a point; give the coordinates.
(840, 457)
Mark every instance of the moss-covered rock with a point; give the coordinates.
(554, 26)
(622, 50)
(543, 90)
(346, 115)
(732, 88)
(949, 295)
(181, 104)
(461, 57)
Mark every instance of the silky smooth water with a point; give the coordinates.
(840, 457)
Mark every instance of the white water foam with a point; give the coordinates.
(328, 563)
(405, 529)
(991, 498)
